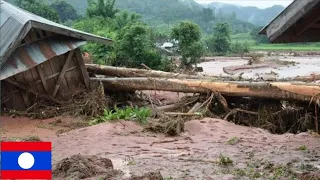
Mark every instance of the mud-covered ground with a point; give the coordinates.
(279, 66)
(195, 154)
(208, 149)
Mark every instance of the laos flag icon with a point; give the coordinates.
(25, 160)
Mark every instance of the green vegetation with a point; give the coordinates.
(287, 47)
(102, 8)
(136, 114)
(220, 42)
(135, 47)
(38, 7)
(233, 141)
(190, 47)
(303, 148)
(224, 160)
(65, 11)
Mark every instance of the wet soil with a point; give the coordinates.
(193, 155)
(22, 127)
(303, 66)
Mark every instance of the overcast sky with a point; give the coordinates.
(258, 3)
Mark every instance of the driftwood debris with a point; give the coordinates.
(272, 90)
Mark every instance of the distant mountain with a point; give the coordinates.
(191, 3)
(253, 15)
(164, 13)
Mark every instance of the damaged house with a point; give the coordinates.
(299, 22)
(39, 58)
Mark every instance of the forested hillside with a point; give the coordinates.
(253, 15)
(163, 14)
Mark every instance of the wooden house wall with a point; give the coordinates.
(43, 79)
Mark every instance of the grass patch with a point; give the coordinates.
(251, 173)
(128, 113)
(233, 141)
(286, 47)
(303, 148)
(225, 160)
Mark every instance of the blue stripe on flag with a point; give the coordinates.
(42, 161)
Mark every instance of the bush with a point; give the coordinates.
(134, 46)
(221, 38)
(238, 47)
(190, 47)
(219, 42)
(128, 113)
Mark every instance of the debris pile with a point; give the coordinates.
(89, 104)
(80, 167)
(279, 107)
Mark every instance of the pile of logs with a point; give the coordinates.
(128, 79)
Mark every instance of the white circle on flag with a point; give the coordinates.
(26, 160)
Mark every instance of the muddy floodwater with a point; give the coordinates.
(304, 66)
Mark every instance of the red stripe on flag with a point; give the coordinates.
(26, 146)
(25, 174)
(26, 179)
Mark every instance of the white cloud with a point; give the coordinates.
(257, 3)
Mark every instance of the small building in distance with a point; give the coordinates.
(299, 22)
(39, 58)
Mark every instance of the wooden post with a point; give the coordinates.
(25, 98)
(63, 71)
(43, 79)
(83, 69)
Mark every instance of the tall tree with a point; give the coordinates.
(258, 38)
(104, 8)
(124, 18)
(220, 42)
(190, 48)
(39, 8)
(135, 47)
(207, 15)
(65, 10)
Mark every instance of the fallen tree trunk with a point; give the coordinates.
(311, 78)
(274, 90)
(131, 72)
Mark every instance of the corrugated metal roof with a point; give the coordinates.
(16, 23)
(288, 18)
(29, 56)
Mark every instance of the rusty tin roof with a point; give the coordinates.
(31, 55)
(15, 23)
